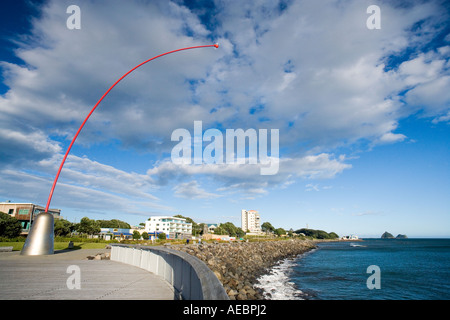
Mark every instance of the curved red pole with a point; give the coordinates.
(98, 102)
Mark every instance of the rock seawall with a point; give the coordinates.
(238, 264)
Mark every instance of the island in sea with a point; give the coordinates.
(387, 235)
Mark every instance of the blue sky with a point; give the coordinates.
(363, 114)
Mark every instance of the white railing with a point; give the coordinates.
(189, 276)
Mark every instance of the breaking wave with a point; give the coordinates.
(277, 283)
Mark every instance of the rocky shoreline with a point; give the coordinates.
(238, 264)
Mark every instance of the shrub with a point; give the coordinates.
(162, 236)
(9, 227)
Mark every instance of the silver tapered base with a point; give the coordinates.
(40, 240)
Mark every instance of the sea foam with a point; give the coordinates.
(276, 284)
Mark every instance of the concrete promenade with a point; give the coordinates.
(47, 277)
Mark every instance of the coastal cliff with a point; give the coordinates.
(238, 264)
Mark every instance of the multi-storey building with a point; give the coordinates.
(173, 227)
(25, 212)
(250, 221)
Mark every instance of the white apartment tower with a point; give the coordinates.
(250, 221)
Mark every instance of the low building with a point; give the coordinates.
(116, 234)
(212, 227)
(350, 237)
(173, 227)
(26, 212)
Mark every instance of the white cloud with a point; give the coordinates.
(247, 178)
(192, 190)
(428, 78)
(67, 71)
(390, 137)
(313, 71)
(30, 187)
(312, 187)
(83, 184)
(335, 90)
(367, 213)
(16, 145)
(444, 118)
(316, 187)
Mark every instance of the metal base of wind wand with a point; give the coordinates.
(40, 240)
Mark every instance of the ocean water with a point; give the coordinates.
(408, 269)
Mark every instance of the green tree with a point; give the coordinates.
(145, 235)
(322, 234)
(9, 227)
(220, 231)
(88, 226)
(318, 234)
(333, 235)
(162, 236)
(307, 232)
(63, 227)
(267, 227)
(230, 229)
(114, 223)
(280, 231)
(240, 233)
(136, 235)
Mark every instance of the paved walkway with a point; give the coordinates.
(47, 277)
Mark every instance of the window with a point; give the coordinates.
(11, 211)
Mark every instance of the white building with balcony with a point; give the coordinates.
(173, 227)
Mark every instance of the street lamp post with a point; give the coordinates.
(40, 239)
